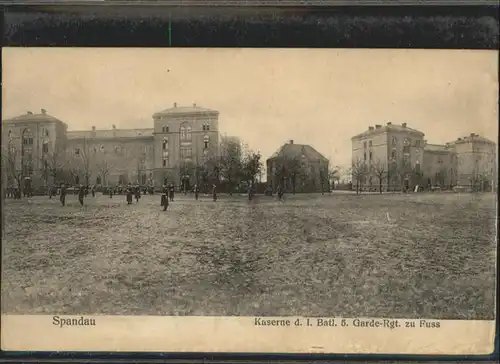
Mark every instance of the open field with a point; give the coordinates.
(422, 255)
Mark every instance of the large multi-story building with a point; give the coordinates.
(400, 156)
(298, 168)
(180, 139)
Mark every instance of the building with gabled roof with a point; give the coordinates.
(298, 168)
(180, 138)
(403, 158)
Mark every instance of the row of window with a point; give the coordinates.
(406, 143)
(27, 133)
(184, 128)
(206, 142)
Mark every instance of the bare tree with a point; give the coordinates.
(9, 164)
(104, 168)
(359, 171)
(380, 170)
(230, 162)
(251, 168)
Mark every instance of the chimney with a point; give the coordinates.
(472, 134)
(291, 141)
(175, 104)
(371, 128)
(29, 113)
(44, 111)
(194, 104)
(378, 126)
(114, 126)
(389, 123)
(403, 125)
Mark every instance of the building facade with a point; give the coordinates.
(181, 138)
(399, 156)
(298, 168)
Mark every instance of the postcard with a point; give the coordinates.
(249, 200)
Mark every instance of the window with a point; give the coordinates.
(45, 147)
(206, 141)
(165, 129)
(393, 154)
(185, 133)
(371, 155)
(394, 141)
(406, 161)
(185, 152)
(364, 156)
(417, 167)
(206, 127)
(165, 154)
(364, 145)
(10, 134)
(165, 161)
(370, 143)
(164, 144)
(77, 151)
(406, 146)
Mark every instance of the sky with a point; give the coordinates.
(320, 97)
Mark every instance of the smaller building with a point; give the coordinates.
(298, 168)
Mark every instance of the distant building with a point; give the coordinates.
(298, 168)
(402, 157)
(181, 138)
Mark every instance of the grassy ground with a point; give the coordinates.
(423, 255)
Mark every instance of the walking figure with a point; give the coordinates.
(93, 190)
(164, 198)
(110, 192)
(62, 198)
(129, 196)
(81, 194)
(214, 193)
(171, 191)
(196, 191)
(137, 194)
(280, 193)
(50, 192)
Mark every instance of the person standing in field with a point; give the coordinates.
(196, 191)
(137, 194)
(81, 194)
(129, 195)
(214, 192)
(62, 197)
(164, 198)
(171, 192)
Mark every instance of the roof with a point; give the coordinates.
(387, 128)
(473, 138)
(111, 133)
(185, 110)
(436, 148)
(296, 150)
(33, 118)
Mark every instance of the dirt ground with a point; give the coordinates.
(422, 255)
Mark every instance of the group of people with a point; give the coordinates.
(168, 193)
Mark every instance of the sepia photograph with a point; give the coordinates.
(249, 183)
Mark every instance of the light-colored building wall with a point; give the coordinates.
(410, 159)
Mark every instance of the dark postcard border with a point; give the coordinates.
(464, 27)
